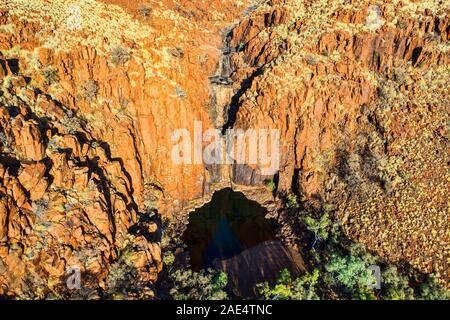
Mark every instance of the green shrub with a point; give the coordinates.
(90, 90)
(123, 280)
(120, 275)
(292, 201)
(71, 123)
(168, 258)
(351, 274)
(220, 280)
(395, 286)
(321, 227)
(430, 290)
(302, 288)
(203, 285)
(50, 75)
(271, 186)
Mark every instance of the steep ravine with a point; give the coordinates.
(226, 89)
(358, 92)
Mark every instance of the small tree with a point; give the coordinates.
(321, 227)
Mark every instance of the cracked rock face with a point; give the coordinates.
(88, 105)
(64, 201)
(88, 108)
(362, 129)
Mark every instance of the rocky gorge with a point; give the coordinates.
(92, 91)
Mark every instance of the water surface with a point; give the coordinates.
(225, 227)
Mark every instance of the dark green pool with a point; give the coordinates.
(225, 227)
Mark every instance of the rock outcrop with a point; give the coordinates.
(354, 93)
(64, 201)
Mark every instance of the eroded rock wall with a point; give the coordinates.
(91, 94)
(360, 95)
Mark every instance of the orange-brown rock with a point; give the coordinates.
(88, 108)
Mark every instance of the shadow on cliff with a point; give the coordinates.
(142, 226)
(235, 102)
